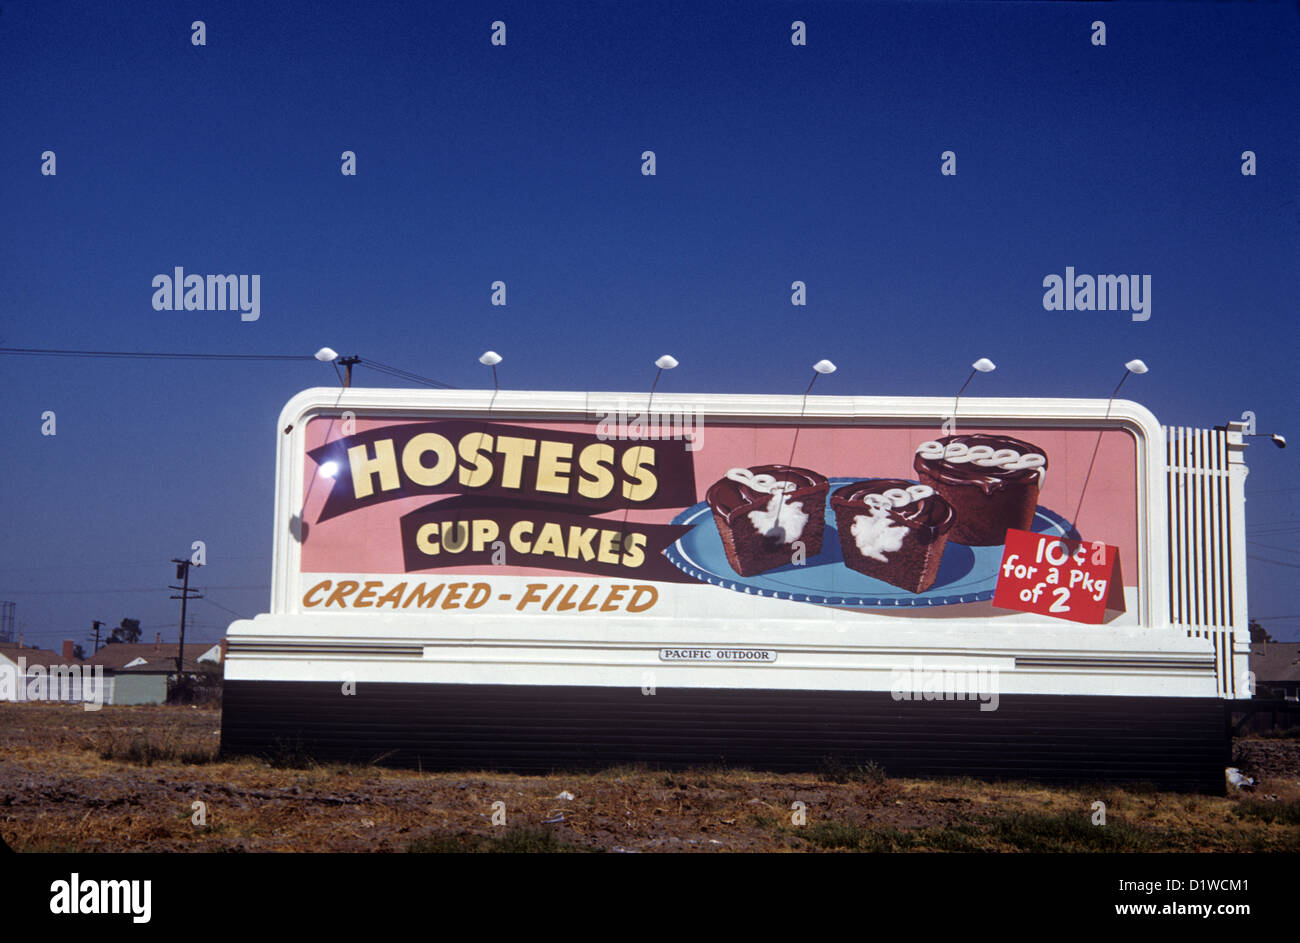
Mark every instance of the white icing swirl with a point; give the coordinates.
(959, 453)
(897, 497)
(767, 484)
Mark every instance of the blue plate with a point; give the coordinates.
(966, 574)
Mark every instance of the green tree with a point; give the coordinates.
(79, 652)
(1258, 633)
(128, 632)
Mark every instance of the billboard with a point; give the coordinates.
(623, 513)
(520, 579)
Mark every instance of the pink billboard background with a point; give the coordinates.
(367, 540)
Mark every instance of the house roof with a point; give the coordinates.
(160, 666)
(153, 657)
(34, 655)
(1275, 661)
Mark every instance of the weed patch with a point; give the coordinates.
(1284, 813)
(836, 769)
(1037, 832)
(521, 840)
(146, 750)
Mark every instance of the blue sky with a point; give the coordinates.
(476, 163)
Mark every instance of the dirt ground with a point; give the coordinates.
(147, 779)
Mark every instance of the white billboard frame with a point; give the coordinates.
(1142, 654)
(534, 406)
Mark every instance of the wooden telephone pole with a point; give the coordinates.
(183, 574)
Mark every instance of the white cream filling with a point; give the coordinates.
(876, 534)
(780, 520)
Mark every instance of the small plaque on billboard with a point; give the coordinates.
(719, 656)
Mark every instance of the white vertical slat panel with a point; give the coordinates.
(1214, 585)
(1204, 578)
(1175, 506)
(1184, 556)
(1228, 679)
(1225, 545)
(1201, 578)
(1180, 445)
(1192, 615)
(1204, 557)
(1209, 514)
(1175, 531)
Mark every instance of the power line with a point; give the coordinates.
(144, 355)
(204, 589)
(388, 369)
(77, 592)
(1272, 546)
(111, 566)
(91, 592)
(1294, 566)
(213, 602)
(405, 374)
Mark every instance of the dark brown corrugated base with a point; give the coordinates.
(1174, 743)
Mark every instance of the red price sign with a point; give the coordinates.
(1065, 579)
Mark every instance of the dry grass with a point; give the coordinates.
(127, 778)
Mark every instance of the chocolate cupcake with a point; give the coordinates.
(893, 530)
(991, 481)
(762, 511)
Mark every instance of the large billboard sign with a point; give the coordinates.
(748, 543)
(525, 579)
(615, 508)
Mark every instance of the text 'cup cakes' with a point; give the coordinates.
(762, 511)
(991, 481)
(893, 530)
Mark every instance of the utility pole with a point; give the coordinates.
(95, 625)
(347, 364)
(182, 573)
(7, 621)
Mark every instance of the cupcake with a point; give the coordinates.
(762, 511)
(991, 481)
(893, 530)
